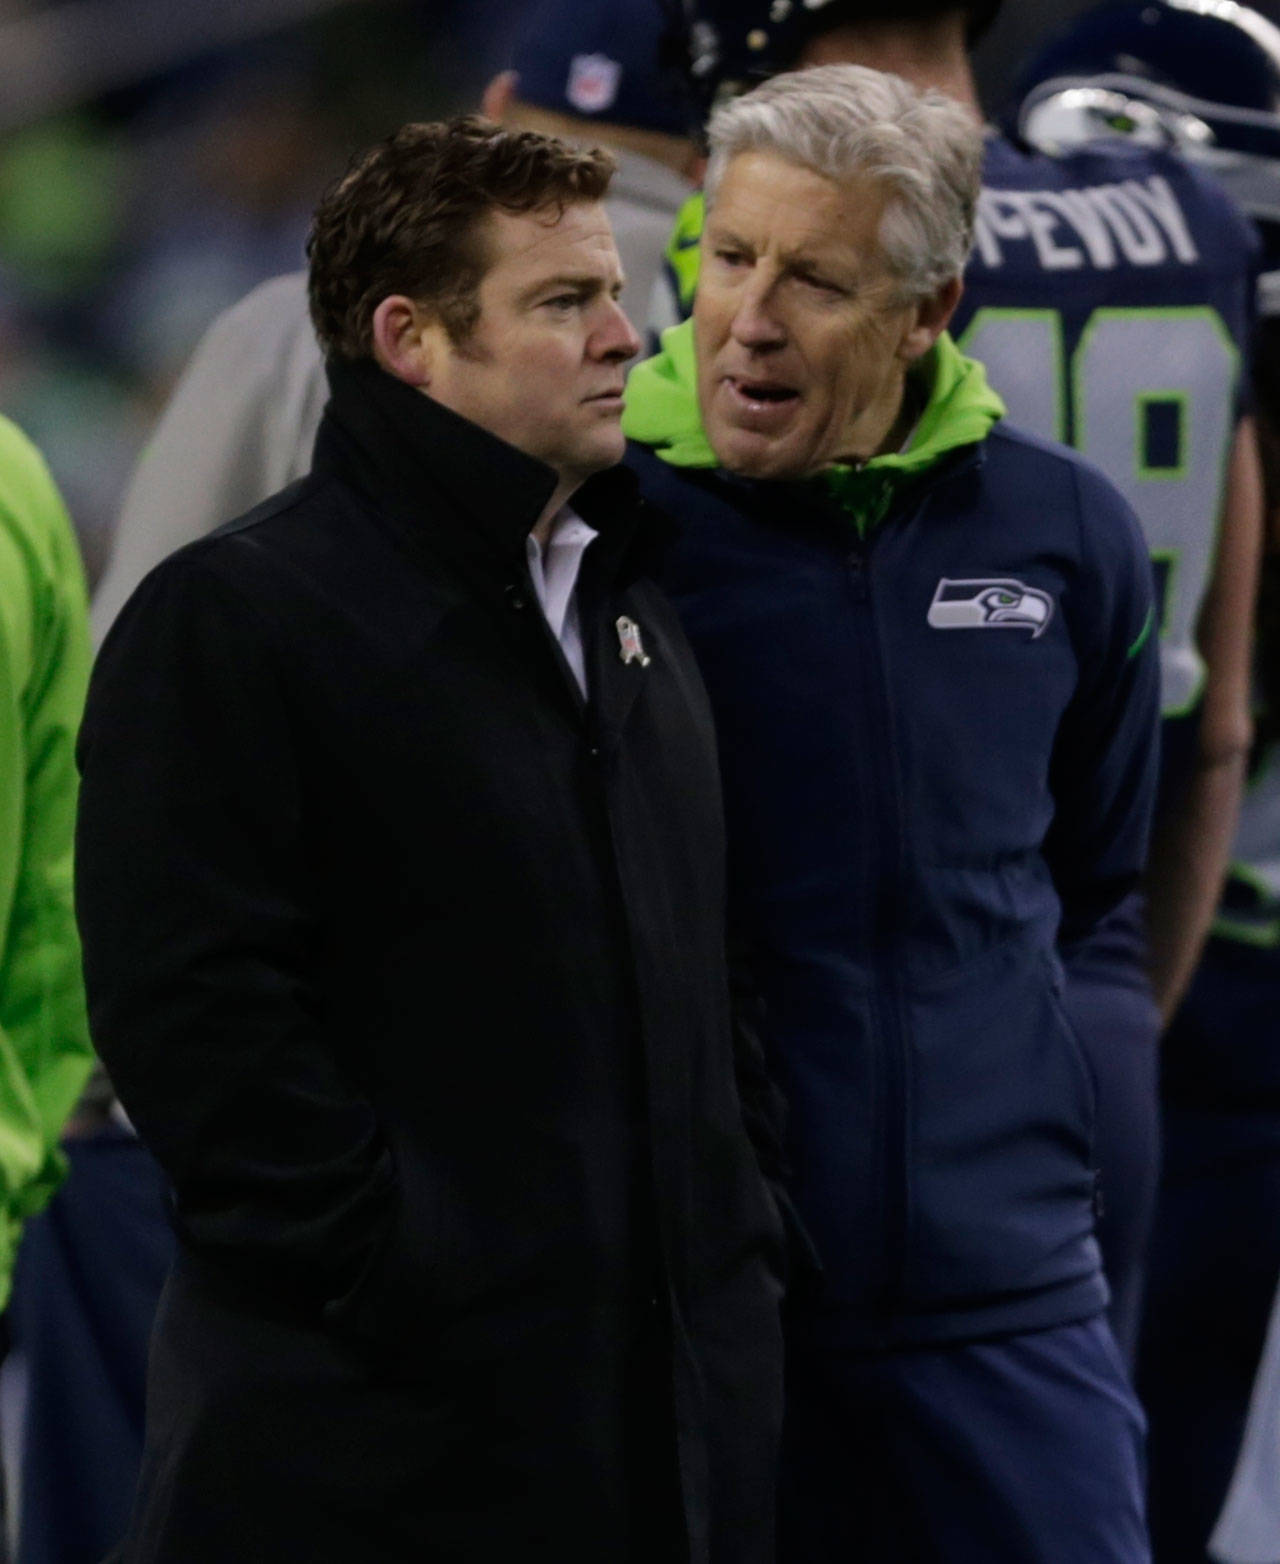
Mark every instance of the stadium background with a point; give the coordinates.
(156, 161)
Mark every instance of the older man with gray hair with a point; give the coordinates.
(928, 640)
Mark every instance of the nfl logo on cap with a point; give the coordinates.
(593, 82)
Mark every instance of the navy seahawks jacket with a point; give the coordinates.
(938, 746)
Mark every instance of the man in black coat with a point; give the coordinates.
(401, 891)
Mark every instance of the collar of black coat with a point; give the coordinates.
(447, 481)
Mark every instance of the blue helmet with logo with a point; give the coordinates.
(1201, 77)
(733, 44)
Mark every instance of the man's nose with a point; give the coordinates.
(618, 339)
(755, 321)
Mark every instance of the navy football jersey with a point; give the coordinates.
(1110, 296)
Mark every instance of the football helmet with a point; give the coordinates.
(733, 44)
(1201, 77)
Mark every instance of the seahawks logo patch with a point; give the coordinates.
(991, 603)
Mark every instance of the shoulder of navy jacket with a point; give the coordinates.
(944, 482)
(965, 463)
(964, 458)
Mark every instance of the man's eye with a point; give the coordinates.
(731, 257)
(819, 284)
(562, 303)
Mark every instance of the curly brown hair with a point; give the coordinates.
(407, 217)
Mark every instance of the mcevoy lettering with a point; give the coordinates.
(1137, 222)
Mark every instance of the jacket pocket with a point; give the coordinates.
(1056, 978)
(1002, 1126)
(391, 1313)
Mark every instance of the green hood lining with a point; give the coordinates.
(662, 412)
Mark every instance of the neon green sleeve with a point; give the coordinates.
(45, 1056)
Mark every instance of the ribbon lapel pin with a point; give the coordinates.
(630, 646)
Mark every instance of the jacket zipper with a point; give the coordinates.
(884, 891)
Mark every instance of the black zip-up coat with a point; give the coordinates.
(408, 964)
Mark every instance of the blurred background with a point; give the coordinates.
(157, 160)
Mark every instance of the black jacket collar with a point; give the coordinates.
(442, 480)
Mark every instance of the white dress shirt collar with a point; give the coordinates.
(554, 572)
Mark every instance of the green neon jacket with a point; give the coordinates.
(45, 1057)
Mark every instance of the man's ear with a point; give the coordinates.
(405, 340)
(495, 104)
(932, 317)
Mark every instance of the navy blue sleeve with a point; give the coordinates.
(1106, 758)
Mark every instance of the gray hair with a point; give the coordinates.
(845, 120)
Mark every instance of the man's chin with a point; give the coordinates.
(601, 453)
(750, 455)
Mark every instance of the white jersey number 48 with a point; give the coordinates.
(1149, 397)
